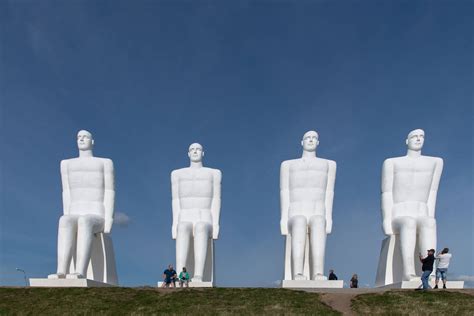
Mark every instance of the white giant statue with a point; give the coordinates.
(306, 197)
(88, 207)
(409, 190)
(196, 204)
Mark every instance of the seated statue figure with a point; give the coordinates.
(88, 207)
(409, 190)
(306, 198)
(196, 203)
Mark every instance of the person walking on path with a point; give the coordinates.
(427, 268)
(332, 275)
(442, 269)
(169, 276)
(354, 282)
(184, 278)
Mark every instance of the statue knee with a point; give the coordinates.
(298, 221)
(66, 221)
(317, 222)
(184, 227)
(84, 223)
(408, 223)
(429, 223)
(201, 228)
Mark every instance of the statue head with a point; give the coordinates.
(195, 152)
(84, 140)
(415, 139)
(310, 141)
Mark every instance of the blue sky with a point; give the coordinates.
(246, 79)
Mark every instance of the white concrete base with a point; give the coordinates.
(312, 284)
(417, 284)
(191, 284)
(67, 283)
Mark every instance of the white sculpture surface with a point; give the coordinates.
(409, 189)
(196, 204)
(306, 200)
(84, 246)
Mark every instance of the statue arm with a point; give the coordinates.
(109, 195)
(284, 197)
(330, 194)
(175, 203)
(434, 187)
(216, 203)
(65, 185)
(387, 196)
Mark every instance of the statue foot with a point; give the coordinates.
(299, 277)
(75, 276)
(197, 278)
(319, 276)
(57, 276)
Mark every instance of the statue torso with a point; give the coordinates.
(412, 179)
(307, 184)
(86, 185)
(195, 190)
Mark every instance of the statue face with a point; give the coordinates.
(84, 140)
(310, 141)
(415, 139)
(195, 152)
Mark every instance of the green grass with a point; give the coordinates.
(149, 301)
(414, 303)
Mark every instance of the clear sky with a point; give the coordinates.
(246, 79)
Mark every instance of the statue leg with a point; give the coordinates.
(406, 227)
(183, 237)
(66, 241)
(202, 233)
(298, 228)
(317, 226)
(426, 234)
(87, 226)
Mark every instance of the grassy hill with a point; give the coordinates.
(222, 301)
(414, 303)
(146, 301)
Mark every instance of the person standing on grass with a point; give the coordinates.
(427, 268)
(442, 269)
(184, 278)
(354, 282)
(332, 275)
(169, 276)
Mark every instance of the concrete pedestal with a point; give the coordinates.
(312, 284)
(191, 284)
(67, 283)
(417, 284)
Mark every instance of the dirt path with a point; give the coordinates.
(340, 302)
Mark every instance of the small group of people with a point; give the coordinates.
(354, 283)
(443, 258)
(170, 276)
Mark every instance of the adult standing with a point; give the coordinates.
(442, 269)
(354, 282)
(332, 275)
(427, 268)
